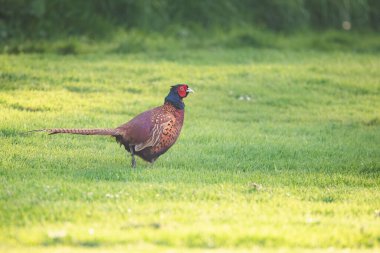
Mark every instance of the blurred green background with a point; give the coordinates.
(22, 20)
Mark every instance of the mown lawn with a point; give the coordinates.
(280, 150)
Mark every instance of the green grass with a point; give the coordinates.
(280, 150)
(136, 41)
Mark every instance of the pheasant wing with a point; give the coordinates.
(162, 123)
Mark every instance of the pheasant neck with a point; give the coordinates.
(175, 101)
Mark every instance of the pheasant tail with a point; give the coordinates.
(100, 131)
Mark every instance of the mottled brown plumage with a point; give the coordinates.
(149, 134)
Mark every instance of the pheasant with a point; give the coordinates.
(149, 134)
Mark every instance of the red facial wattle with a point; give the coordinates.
(182, 91)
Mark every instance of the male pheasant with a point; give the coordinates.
(151, 133)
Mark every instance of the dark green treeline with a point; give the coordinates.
(95, 18)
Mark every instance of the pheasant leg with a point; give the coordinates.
(133, 156)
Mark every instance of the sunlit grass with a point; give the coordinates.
(279, 151)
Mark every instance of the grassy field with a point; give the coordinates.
(280, 151)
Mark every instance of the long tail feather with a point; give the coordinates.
(100, 131)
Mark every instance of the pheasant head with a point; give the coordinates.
(176, 94)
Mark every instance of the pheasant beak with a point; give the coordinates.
(189, 90)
